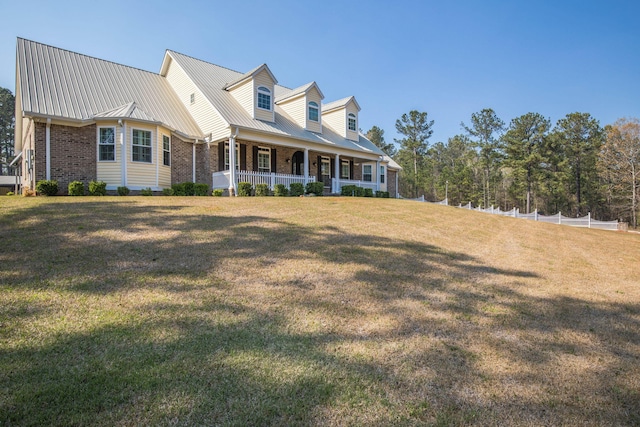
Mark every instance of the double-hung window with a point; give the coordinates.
(166, 150)
(107, 144)
(345, 169)
(352, 121)
(366, 173)
(314, 112)
(264, 98)
(264, 160)
(226, 156)
(325, 169)
(381, 174)
(141, 146)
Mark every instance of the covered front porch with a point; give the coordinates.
(259, 163)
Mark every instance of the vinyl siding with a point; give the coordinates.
(202, 111)
(353, 136)
(110, 172)
(336, 120)
(244, 95)
(164, 172)
(296, 109)
(263, 79)
(314, 96)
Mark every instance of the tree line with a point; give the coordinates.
(575, 166)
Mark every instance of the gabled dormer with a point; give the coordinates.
(342, 117)
(254, 91)
(304, 106)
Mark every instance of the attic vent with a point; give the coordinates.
(193, 98)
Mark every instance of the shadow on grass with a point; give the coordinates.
(233, 362)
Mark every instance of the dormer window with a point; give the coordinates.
(264, 98)
(352, 125)
(314, 111)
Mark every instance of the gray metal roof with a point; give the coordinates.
(61, 84)
(298, 91)
(339, 103)
(211, 79)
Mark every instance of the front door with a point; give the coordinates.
(297, 163)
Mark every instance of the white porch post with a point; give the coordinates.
(336, 188)
(232, 166)
(306, 166)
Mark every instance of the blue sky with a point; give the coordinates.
(449, 59)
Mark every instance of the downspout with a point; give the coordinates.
(47, 140)
(233, 190)
(193, 161)
(123, 152)
(397, 189)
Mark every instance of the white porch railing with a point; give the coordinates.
(223, 179)
(339, 183)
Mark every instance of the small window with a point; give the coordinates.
(264, 98)
(345, 169)
(264, 160)
(107, 145)
(352, 122)
(381, 174)
(314, 112)
(166, 150)
(226, 156)
(325, 170)
(192, 98)
(141, 146)
(366, 173)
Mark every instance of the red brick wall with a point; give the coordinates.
(391, 183)
(181, 161)
(73, 154)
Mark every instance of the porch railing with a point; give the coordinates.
(223, 179)
(339, 183)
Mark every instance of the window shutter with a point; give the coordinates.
(332, 162)
(350, 169)
(273, 160)
(319, 171)
(243, 157)
(255, 158)
(220, 156)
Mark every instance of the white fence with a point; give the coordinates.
(342, 182)
(223, 179)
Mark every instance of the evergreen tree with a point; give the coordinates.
(417, 130)
(7, 122)
(376, 135)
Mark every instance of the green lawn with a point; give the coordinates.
(311, 311)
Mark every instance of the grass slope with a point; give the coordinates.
(311, 311)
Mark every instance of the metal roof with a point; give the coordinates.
(299, 91)
(63, 84)
(211, 79)
(339, 103)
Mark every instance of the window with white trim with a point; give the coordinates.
(107, 144)
(345, 169)
(264, 98)
(141, 146)
(166, 150)
(366, 173)
(352, 121)
(264, 160)
(314, 112)
(325, 169)
(226, 156)
(192, 98)
(382, 174)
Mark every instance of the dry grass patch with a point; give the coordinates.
(311, 311)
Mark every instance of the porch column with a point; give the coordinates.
(336, 188)
(306, 166)
(232, 166)
(378, 175)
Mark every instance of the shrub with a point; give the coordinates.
(217, 192)
(123, 191)
(296, 189)
(382, 194)
(316, 188)
(146, 192)
(167, 191)
(10, 193)
(368, 192)
(200, 189)
(76, 188)
(178, 189)
(244, 189)
(262, 190)
(47, 187)
(98, 188)
(280, 190)
(348, 190)
(184, 189)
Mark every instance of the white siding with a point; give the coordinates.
(353, 136)
(296, 109)
(139, 173)
(110, 172)
(201, 110)
(244, 94)
(314, 95)
(164, 172)
(336, 120)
